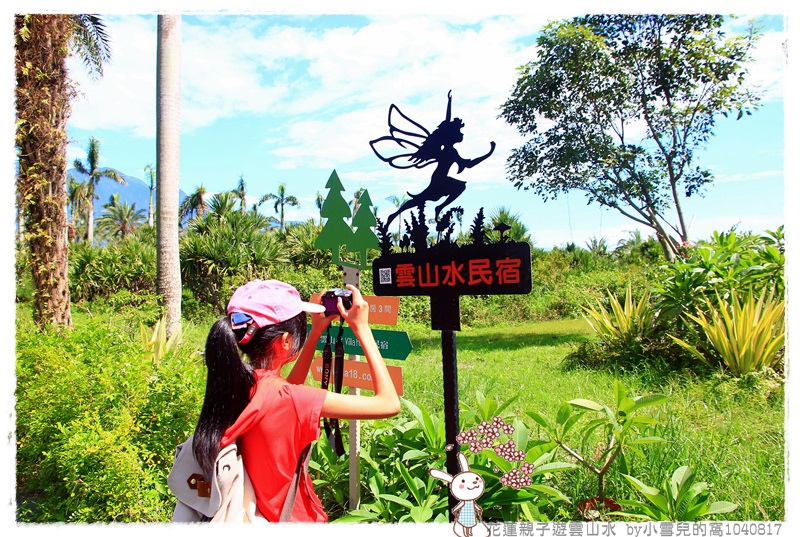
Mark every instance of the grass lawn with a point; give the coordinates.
(730, 431)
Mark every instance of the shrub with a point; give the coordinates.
(98, 422)
(745, 334)
(621, 431)
(728, 261)
(236, 246)
(626, 324)
(99, 272)
(680, 498)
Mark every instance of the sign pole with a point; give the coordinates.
(446, 316)
(450, 378)
(353, 277)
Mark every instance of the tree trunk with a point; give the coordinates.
(90, 221)
(168, 119)
(20, 222)
(43, 93)
(150, 210)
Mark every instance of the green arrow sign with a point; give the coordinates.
(392, 344)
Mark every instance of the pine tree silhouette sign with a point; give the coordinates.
(364, 222)
(337, 233)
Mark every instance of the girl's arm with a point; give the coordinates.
(299, 372)
(385, 402)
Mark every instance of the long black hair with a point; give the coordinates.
(230, 380)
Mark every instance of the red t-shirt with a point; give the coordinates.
(280, 420)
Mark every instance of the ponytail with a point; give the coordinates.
(230, 380)
(228, 386)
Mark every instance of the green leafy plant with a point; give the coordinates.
(397, 455)
(156, 344)
(516, 469)
(680, 498)
(626, 324)
(728, 260)
(330, 475)
(746, 334)
(621, 430)
(100, 424)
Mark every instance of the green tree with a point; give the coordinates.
(168, 147)
(597, 246)
(222, 205)
(364, 221)
(241, 193)
(150, 173)
(214, 249)
(194, 204)
(300, 245)
(335, 232)
(398, 202)
(281, 201)
(43, 91)
(120, 219)
(95, 174)
(601, 80)
(503, 218)
(78, 199)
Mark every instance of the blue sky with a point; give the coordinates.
(288, 98)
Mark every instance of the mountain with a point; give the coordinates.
(136, 191)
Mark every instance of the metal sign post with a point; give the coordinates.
(353, 277)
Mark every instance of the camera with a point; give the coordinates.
(329, 300)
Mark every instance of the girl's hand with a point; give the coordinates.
(319, 322)
(358, 314)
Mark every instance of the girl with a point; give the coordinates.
(274, 418)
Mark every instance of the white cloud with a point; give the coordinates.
(767, 70)
(124, 97)
(754, 176)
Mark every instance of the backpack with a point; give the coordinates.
(229, 495)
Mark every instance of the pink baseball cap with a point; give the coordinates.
(267, 302)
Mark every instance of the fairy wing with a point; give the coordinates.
(404, 139)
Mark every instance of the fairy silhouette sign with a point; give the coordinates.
(482, 263)
(441, 269)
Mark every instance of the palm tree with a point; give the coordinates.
(356, 200)
(222, 205)
(94, 175)
(150, 172)
(398, 202)
(194, 204)
(168, 142)
(319, 201)
(281, 201)
(241, 192)
(301, 246)
(513, 228)
(120, 219)
(78, 199)
(43, 91)
(597, 246)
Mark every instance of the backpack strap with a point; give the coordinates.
(288, 503)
